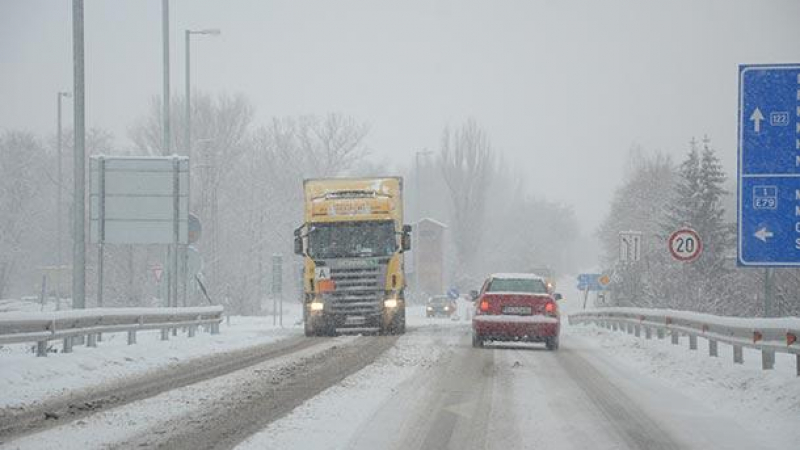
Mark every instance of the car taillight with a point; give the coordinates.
(484, 305)
(550, 308)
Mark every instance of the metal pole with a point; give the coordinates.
(176, 204)
(101, 226)
(59, 214)
(165, 98)
(188, 146)
(79, 248)
(767, 292)
(188, 99)
(416, 205)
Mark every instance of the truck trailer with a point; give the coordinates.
(352, 242)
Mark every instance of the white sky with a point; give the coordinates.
(564, 87)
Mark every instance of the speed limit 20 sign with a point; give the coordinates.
(685, 245)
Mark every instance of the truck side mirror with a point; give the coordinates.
(298, 245)
(473, 295)
(558, 296)
(405, 240)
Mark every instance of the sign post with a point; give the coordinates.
(140, 200)
(768, 234)
(685, 245)
(630, 246)
(592, 282)
(769, 165)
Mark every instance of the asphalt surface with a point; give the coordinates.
(525, 397)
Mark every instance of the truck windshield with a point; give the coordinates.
(353, 239)
(526, 285)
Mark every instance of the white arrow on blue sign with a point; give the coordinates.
(769, 165)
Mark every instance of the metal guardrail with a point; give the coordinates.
(19, 327)
(767, 335)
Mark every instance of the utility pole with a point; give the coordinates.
(165, 97)
(165, 145)
(79, 233)
(59, 214)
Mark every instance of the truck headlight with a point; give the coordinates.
(430, 308)
(390, 303)
(317, 306)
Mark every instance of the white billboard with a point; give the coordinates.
(139, 200)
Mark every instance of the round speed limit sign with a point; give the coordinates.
(685, 245)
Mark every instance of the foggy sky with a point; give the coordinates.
(564, 88)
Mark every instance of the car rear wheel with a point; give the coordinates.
(551, 343)
(477, 341)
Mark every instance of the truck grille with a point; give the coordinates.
(358, 290)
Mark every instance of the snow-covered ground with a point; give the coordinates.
(26, 379)
(667, 390)
(768, 401)
(332, 419)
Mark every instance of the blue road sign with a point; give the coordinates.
(590, 282)
(769, 165)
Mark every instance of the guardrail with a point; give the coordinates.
(19, 327)
(767, 335)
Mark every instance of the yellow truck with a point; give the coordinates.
(352, 242)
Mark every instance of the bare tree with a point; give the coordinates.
(20, 186)
(468, 164)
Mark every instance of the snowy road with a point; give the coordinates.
(428, 389)
(503, 397)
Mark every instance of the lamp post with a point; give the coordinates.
(59, 262)
(188, 126)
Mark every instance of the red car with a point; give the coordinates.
(516, 307)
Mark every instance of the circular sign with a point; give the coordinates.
(685, 245)
(195, 228)
(604, 280)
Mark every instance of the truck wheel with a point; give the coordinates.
(551, 343)
(399, 323)
(308, 329)
(396, 326)
(477, 341)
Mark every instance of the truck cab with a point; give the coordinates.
(352, 242)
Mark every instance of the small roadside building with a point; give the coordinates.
(429, 257)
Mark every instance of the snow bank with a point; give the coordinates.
(768, 401)
(25, 379)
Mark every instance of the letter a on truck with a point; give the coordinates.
(352, 242)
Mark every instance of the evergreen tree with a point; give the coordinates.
(714, 231)
(698, 204)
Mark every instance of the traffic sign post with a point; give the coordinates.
(769, 165)
(452, 293)
(685, 245)
(630, 246)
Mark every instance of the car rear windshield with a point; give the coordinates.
(526, 285)
(438, 300)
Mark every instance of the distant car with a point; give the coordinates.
(440, 306)
(516, 307)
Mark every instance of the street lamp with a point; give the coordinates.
(188, 127)
(60, 95)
